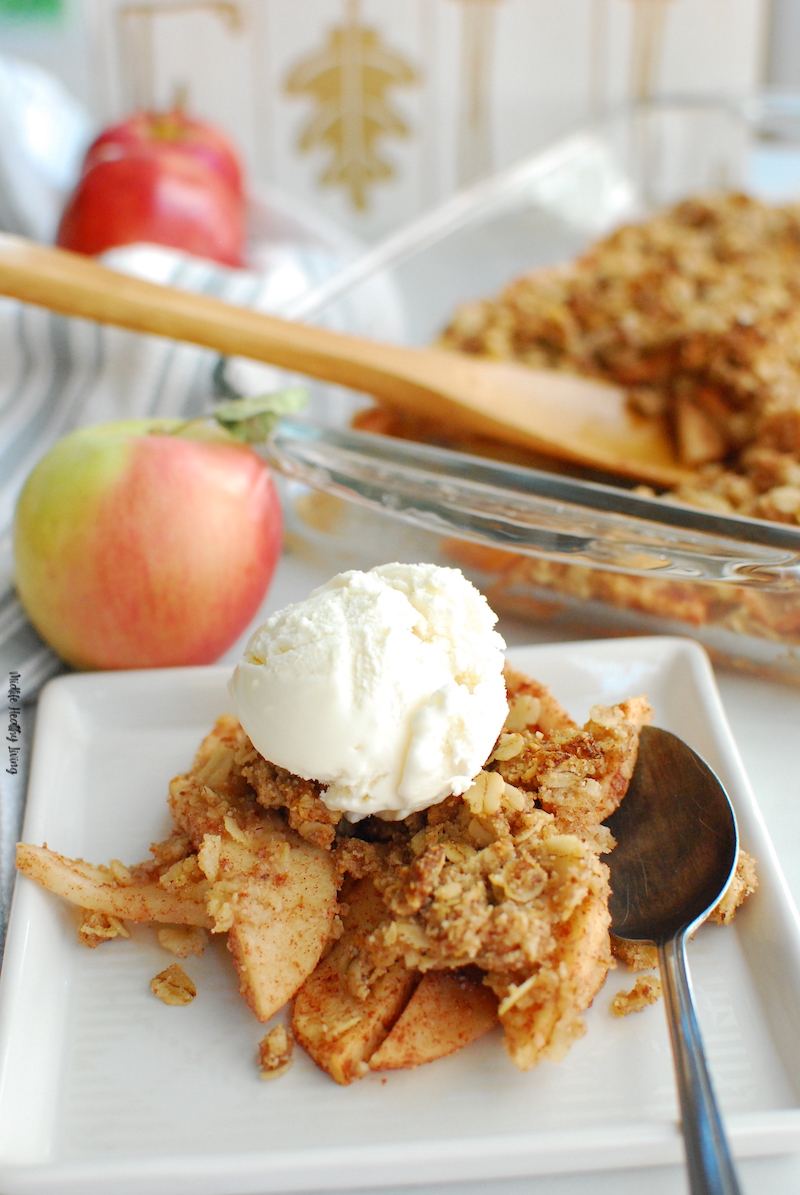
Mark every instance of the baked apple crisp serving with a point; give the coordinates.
(399, 936)
(695, 312)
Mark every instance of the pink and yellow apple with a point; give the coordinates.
(146, 543)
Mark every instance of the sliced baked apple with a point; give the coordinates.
(338, 1019)
(448, 1010)
(132, 894)
(279, 926)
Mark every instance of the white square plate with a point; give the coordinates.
(103, 1088)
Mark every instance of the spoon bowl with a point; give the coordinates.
(677, 842)
(676, 852)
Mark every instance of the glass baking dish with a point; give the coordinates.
(543, 211)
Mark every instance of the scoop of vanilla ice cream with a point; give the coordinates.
(386, 686)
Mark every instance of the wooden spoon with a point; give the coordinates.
(559, 414)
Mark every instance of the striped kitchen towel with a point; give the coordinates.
(57, 374)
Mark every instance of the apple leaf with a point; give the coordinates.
(252, 419)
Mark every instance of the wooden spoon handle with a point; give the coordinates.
(79, 286)
(558, 414)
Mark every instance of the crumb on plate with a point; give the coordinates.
(96, 928)
(646, 990)
(275, 1052)
(183, 940)
(173, 985)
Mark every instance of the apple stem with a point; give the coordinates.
(180, 428)
(253, 419)
(170, 125)
(180, 99)
(250, 420)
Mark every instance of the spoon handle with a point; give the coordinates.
(708, 1157)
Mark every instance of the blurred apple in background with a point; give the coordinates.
(165, 178)
(145, 543)
(154, 195)
(196, 139)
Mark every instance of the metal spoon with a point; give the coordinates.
(676, 852)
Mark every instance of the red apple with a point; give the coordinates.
(136, 548)
(195, 138)
(154, 194)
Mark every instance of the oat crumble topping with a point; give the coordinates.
(96, 928)
(743, 884)
(275, 1052)
(646, 990)
(637, 956)
(696, 312)
(173, 986)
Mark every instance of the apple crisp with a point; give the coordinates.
(696, 313)
(398, 942)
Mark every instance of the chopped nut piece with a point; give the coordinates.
(183, 940)
(173, 985)
(275, 1052)
(646, 990)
